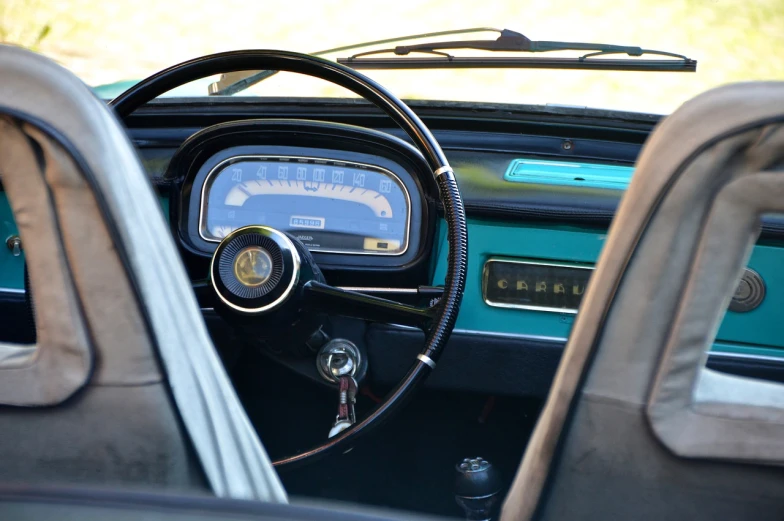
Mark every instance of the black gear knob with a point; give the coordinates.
(477, 487)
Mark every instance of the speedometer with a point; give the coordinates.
(331, 206)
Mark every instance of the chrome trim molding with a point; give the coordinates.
(744, 356)
(389, 173)
(396, 291)
(567, 311)
(562, 340)
(426, 360)
(443, 170)
(512, 336)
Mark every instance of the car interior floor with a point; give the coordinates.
(409, 464)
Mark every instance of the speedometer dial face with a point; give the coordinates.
(331, 206)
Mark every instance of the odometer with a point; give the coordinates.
(331, 206)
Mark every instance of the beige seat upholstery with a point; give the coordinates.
(635, 426)
(123, 387)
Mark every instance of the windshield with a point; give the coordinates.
(111, 45)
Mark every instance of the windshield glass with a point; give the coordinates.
(111, 45)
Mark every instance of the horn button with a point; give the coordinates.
(258, 274)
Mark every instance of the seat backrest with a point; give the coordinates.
(123, 386)
(635, 426)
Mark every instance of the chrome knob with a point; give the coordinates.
(14, 244)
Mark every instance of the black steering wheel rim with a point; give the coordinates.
(454, 213)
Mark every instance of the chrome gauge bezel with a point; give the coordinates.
(340, 143)
(208, 180)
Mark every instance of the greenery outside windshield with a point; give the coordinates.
(119, 42)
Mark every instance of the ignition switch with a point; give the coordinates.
(338, 357)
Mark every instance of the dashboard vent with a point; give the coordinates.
(561, 173)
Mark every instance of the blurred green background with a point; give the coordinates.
(108, 41)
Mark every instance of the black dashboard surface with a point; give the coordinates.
(479, 139)
(479, 151)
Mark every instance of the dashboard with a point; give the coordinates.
(365, 204)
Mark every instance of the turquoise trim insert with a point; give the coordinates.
(12, 268)
(534, 242)
(561, 173)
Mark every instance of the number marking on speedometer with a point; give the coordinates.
(241, 192)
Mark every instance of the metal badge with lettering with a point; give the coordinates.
(534, 285)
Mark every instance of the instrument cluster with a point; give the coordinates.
(358, 199)
(331, 206)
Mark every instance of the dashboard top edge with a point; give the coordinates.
(557, 121)
(440, 105)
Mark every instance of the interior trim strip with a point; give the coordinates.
(374, 289)
(745, 356)
(512, 336)
(561, 340)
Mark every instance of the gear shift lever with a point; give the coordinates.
(476, 488)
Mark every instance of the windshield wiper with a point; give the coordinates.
(514, 42)
(234, 82)
(508, 41)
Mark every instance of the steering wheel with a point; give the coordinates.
(436, 321)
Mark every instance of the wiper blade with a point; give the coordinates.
(508, 41)
(234, 82)
(511, 41)
(514, 42)
(521, 63)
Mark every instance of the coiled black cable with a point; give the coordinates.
(454, 285)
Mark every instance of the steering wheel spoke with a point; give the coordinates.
(336, 301)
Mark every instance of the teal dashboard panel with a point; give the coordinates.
(12, 267)
(546, 243)
(754, 332)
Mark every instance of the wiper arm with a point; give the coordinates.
(234, 82)
(514, 42)
(511, 41)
